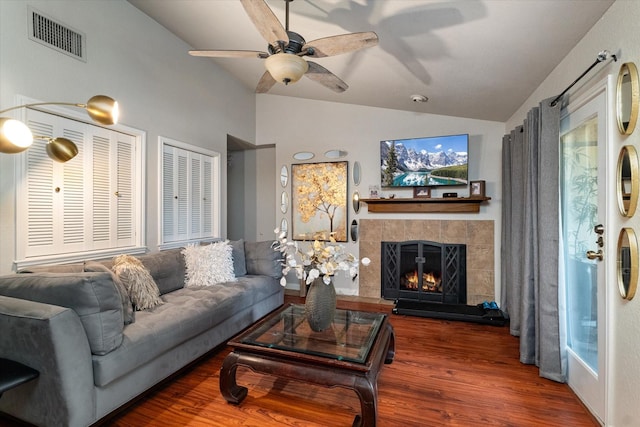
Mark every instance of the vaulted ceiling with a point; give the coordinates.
(472, 58)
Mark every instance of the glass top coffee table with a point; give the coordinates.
(348, 354)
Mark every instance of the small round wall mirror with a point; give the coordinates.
(354, 230)
(356, 201)
(356, 173)
(627, 263)
(628, 183)
(284, 202)
(304, 155)
(335, 154)
(627, 98)
(284, 226)
(284, 175)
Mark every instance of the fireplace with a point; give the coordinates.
(424, 271)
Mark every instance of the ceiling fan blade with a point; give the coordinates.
(229, 53)
(266, 82)
(265, 21)
(335, 45)
(321, 75)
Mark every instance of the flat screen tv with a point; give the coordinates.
(424, 162)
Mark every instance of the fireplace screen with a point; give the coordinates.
(424, 271)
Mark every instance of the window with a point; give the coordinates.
(90, 206)
(190, 194)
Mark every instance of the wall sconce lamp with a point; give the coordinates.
(16, 137)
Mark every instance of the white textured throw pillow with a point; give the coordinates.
(222, 262)
(208, 264)
(197, 259)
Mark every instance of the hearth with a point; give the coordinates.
(429, 279)
(424, 271)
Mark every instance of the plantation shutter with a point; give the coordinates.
(189, 195)
(83, 205)
(125, 190)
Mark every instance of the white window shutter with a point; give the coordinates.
(102, 194)
(168, 209)
(73, 193)
(69, 210)
(195, 195)
(189, 198)
(125, 191)
(208, 212)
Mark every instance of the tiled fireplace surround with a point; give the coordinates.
(477, 235)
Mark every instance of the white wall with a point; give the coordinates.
(160, 88)
(295, 124)
(619, 32)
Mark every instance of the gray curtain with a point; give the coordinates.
(530, 235)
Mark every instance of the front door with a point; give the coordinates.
(583, 233)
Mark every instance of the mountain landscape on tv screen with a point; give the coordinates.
(414, 168)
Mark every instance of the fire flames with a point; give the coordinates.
(430, 282)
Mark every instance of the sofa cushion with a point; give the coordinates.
(93, 296)
(127, 308)
(237, 252)
(167, 269)
(185, 314)
(142, 289)
(262, 259)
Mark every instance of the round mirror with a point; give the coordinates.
(627, 185)
(304, 155)
(284, 226)
(356, 173)
(354, 230)
(335, 154)
(356, 201)
(284, 175)
(284, 201)
(627, 263)
(627, 98)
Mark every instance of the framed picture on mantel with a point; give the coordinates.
(476, 189)
(424, 192)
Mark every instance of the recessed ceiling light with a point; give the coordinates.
(419, 98)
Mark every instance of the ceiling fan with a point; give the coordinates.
(283, 61)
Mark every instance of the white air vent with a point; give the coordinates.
(46, 31)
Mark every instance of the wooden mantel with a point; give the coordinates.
(426, 205)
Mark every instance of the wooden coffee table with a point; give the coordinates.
(349, 354)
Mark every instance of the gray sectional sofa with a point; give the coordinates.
(68, 322)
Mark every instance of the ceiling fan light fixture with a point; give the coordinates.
(15, 136)
(286, 67)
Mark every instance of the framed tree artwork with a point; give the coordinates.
(319, 201)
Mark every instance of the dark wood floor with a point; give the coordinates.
(445, 373)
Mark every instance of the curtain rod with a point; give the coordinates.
(602, 56)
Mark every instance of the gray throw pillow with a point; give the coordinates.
(262, 259)
(127, 307)
(93, 296)
(237, 252)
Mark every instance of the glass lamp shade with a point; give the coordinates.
(286, 67)
(103, 109)
(15, 136)
(61, 149)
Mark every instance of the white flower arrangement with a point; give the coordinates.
(321, 259)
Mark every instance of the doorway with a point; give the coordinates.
(583, 222)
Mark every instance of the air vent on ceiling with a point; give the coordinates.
(46, 31)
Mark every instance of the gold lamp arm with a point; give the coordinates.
(101, 108)
(16, 137)
(42, 103)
